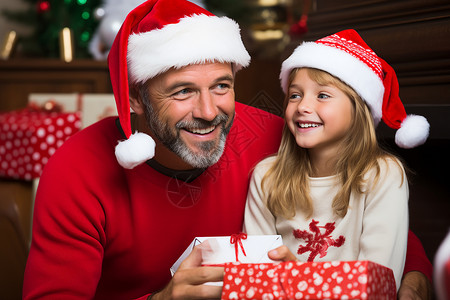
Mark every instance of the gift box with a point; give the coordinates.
(28, 137)
(234, 248)
(93, 107)
(312, 280)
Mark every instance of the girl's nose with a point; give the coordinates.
(305, 105)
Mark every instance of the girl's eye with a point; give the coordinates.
(294, 97)
(323, 96)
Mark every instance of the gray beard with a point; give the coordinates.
(210, 151)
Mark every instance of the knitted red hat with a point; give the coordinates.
(346, 56)
(159, 35)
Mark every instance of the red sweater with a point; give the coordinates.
(103, 232)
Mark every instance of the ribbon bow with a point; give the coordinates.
(237, 239)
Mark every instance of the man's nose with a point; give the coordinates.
(206, 107)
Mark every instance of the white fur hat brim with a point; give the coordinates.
(197, 39)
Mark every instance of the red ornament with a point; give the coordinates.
(43, 6)
(299, 28)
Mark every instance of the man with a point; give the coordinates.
(109, 224)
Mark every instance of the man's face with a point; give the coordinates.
(191, 110)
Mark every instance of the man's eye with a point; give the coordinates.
(182, 92)
(222, 88)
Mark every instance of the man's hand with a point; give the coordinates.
(281, 253)
(187, 282)
(415, 286)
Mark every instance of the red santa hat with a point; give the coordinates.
(346, 56)
(159, 35)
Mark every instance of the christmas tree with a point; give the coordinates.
(48, 17)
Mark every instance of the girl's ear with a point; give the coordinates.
(135, 101)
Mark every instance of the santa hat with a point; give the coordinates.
(346, 56)
(159, 35)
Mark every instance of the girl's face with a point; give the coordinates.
(318, 116)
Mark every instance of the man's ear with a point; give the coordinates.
(135, 100)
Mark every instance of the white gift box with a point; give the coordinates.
(221, 250)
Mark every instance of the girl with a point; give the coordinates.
(331, 191)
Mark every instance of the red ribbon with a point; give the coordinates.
(237, 239)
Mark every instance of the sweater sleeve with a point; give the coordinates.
(67, 235)
(258, 219)
(385, 223)
(416, 258)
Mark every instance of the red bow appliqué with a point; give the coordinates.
(317, 242)
(237, 239)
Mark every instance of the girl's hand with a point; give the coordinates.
(282, 253)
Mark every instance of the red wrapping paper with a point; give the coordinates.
(28, 138)
(314, 280)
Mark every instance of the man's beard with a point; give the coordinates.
(210, 151)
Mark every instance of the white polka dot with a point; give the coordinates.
(40, 132)
(37, 168)
(68, 130)
(50, 139)
(43, 146)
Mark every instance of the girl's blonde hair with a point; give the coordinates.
(286, 184)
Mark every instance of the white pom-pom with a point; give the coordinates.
(138, 148)
(413, 132)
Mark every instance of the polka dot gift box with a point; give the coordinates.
(28, 138)
(313, 280)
